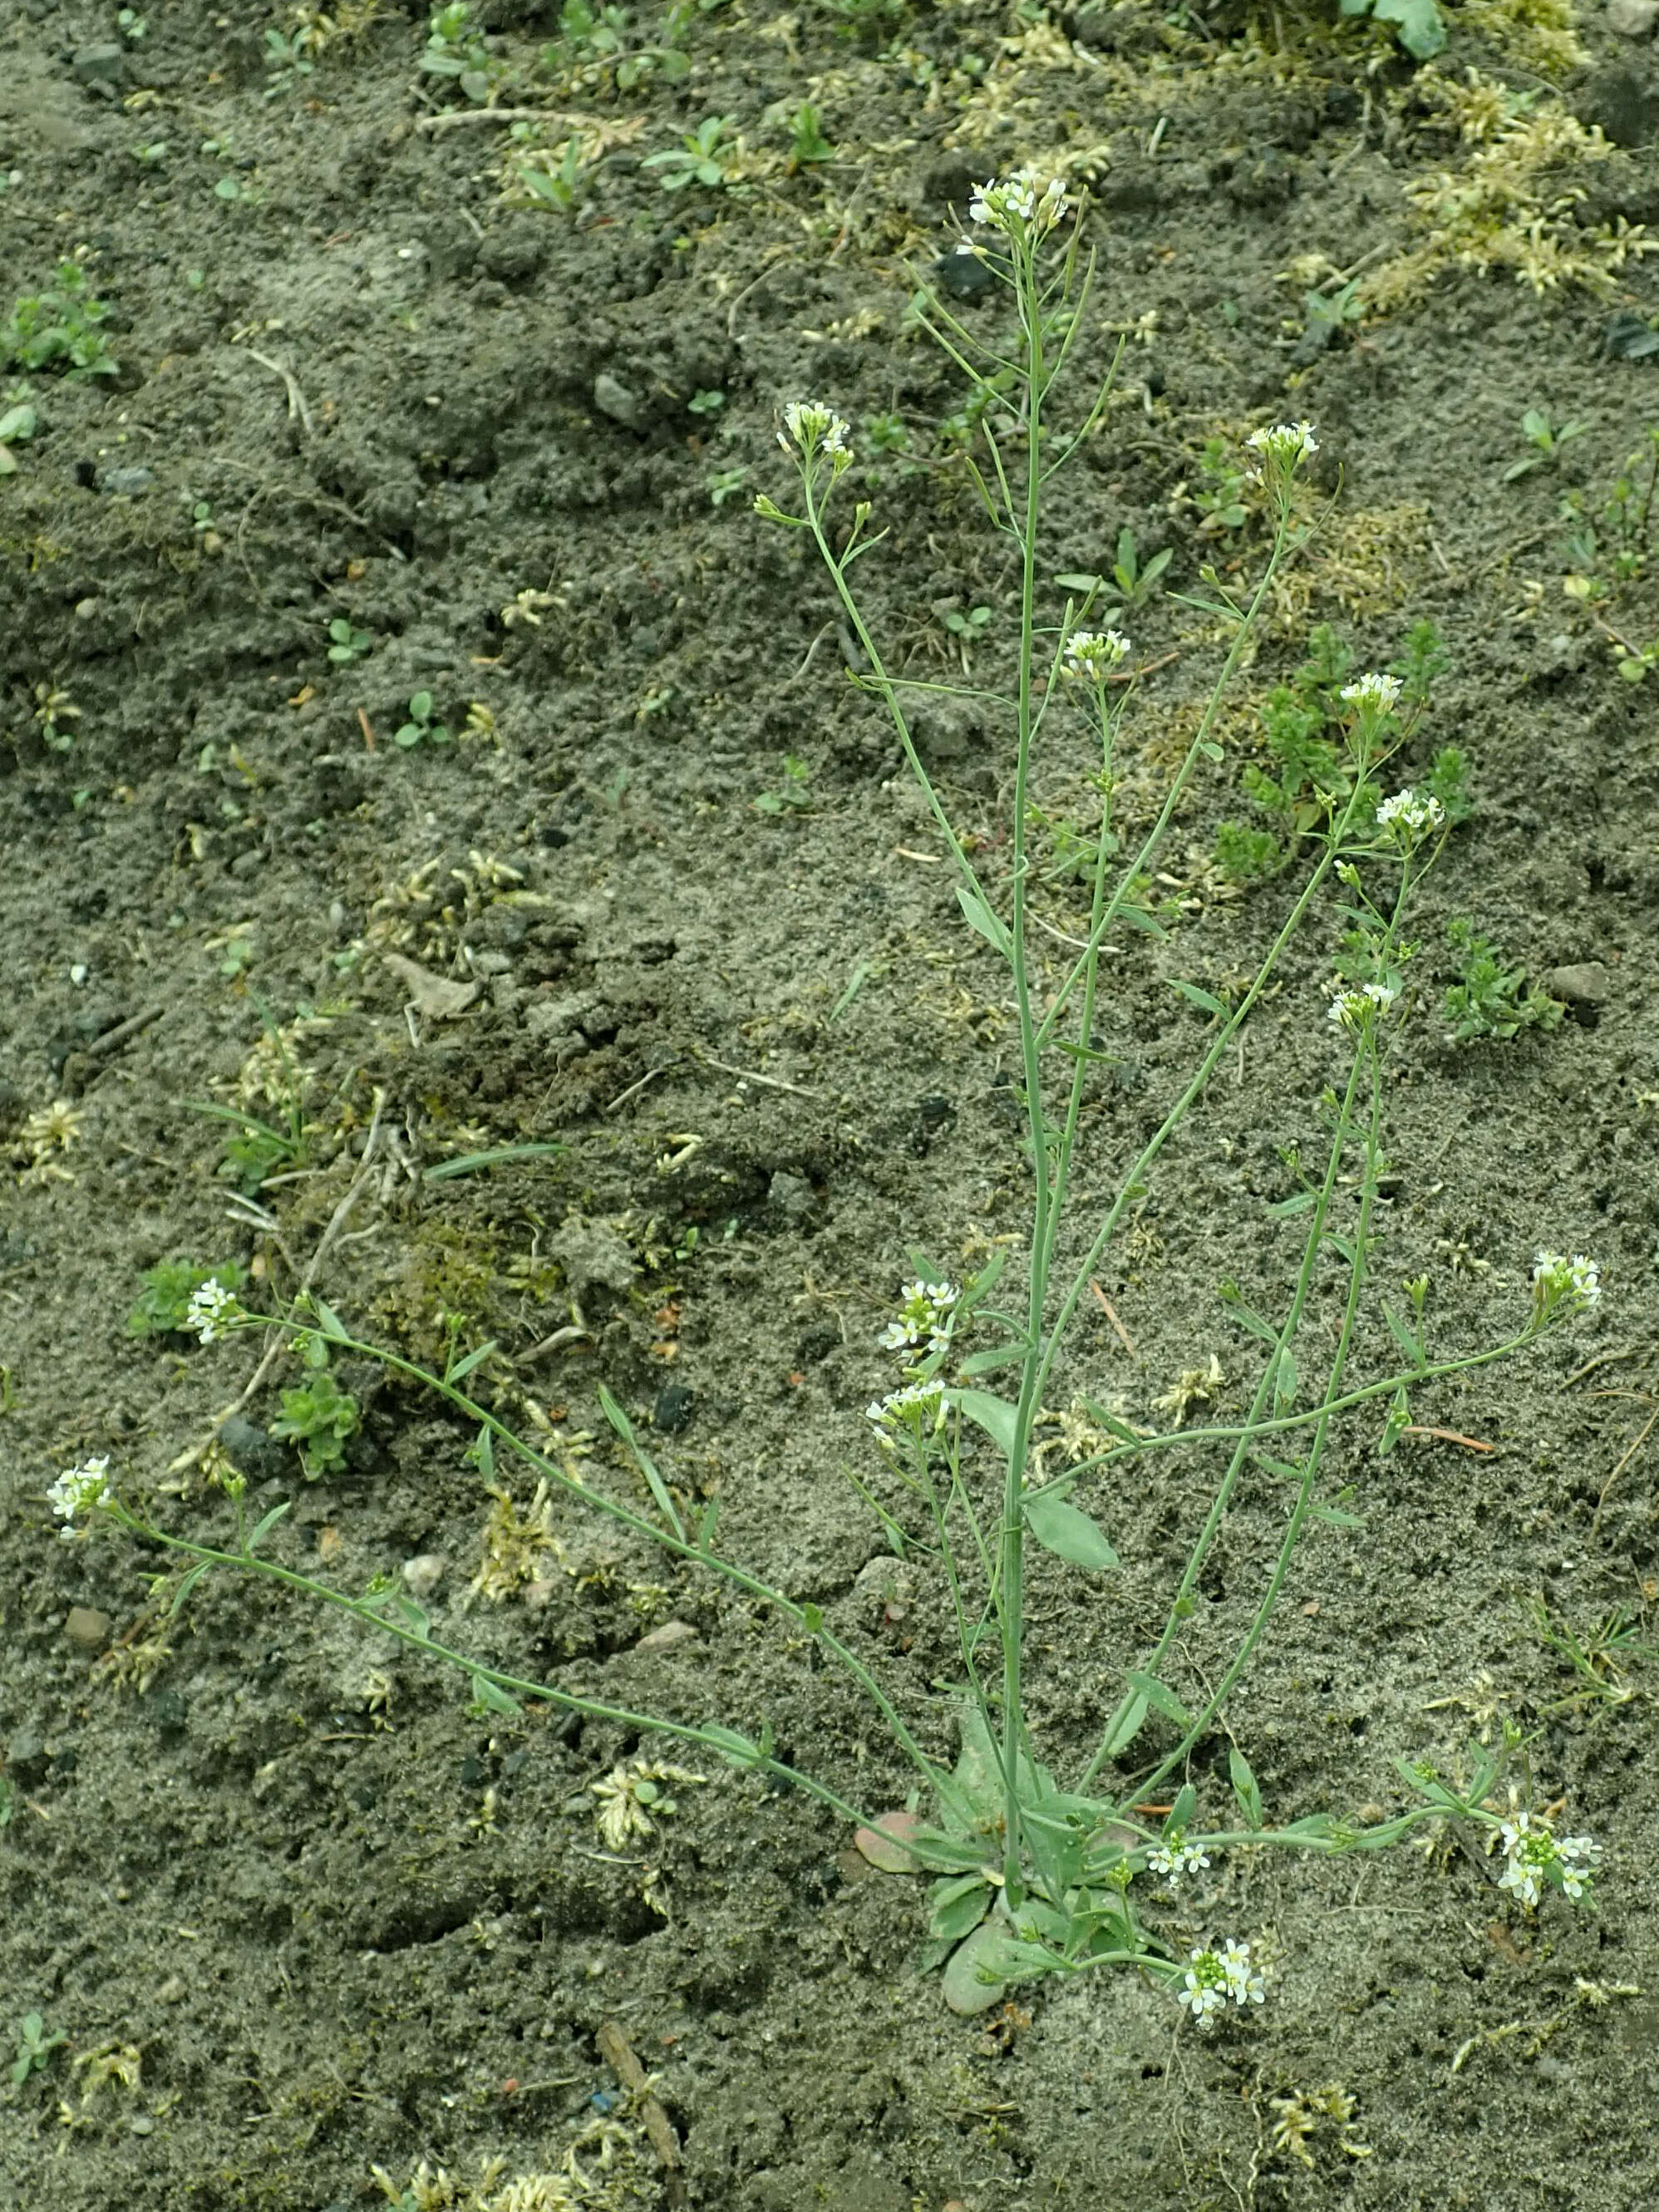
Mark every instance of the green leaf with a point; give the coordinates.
(473, 1359)
(1284, 1379)
(1078, 582)
(1246, 1316)
(1245, 1787)
(1406, 1339)
(493, 1699)
(1160, 1699)
(186, 1586)
(996, 1416)
(811, 1619)
(1298, 1204)
(969, 1983)
(329, 1322)
(474, 1163)
(412, 1618)
(263, 1528)
(980, 918)
(957, 1907)
(1195, 997)
(738, 1748)
(1182, 1811)
(981, 1362)
(706, 1526)
(1419, 24)
(1136, 917)
(1112, 1423)
(1127, 1723)
(1066, 1531)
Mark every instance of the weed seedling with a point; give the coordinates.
(168, 1287)
(807, 142)
(697, 159)
(57, 328)
(454, 51)
(318, 1418)
(1418, 24)
(705, 403)
(347, 644)
(35, 2047)
(1547, 443)
(420, 729)
(1220, 498)
(724, 483)
(794, 798)
(1491, 999)
(53, 707)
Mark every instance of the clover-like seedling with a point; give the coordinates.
(35, 2047)
(696, 160)
(56, 328)
(420, 729)
(347, 644)
(318, 1418)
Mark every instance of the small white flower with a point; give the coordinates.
(1092, 654)
(1558, 1282)
(1381, 693)
(79, 1489)
(1578, 1855)
(924, 1317)
(1410, 815)
(814, 426)
(1174, 1858)
(1351, 1010)
(211, 1312)
(1245, 1983)
(1283, 447)
(1014, 204)
(917, 1407)
(1535, 1857)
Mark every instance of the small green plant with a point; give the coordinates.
(556, 186)
(1546, 442)
(53, 707)
(698, 159)
(347, 644)
(151, 156)
(595, 42)
(794, 798)
(167, 1289)
(1599, 1657)
(1130, 586)
(967, 629)
(1220, 498)
(455, 52)
(35, 2047)
(1418, 24)
(725, 483)
(420, 729)
(319, 1417)
(131, 25)
(807, 143)
(887, 434)
(288, 60)
(18, 423)
(57, 328)
(705, 403)
(1307, 778)
(241, 191)
(1325, 313)
(1607, 544)
(869, 22)
(1448, 781)
(1489, 997)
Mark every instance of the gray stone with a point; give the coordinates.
(1582, 983)
(672, 1632)
(591, 1254)
(792, 1196)
(616, 401)
(100, 64)
(86, 1628)
(1632, 19)
(556, 1017)
(127, 483)
(423, 1573)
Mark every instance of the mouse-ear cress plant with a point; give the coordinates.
(1038, 1871)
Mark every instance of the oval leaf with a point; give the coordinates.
(958, 1906)
(1066, 1531)
(966, 1990)
(996, 1416)
(883, 1844)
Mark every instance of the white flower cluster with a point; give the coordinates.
(1380, 693)
(212, 1311)
(1283, 447)
(1410, 815)
(1351, 1010)
(1213, 1977)
(1174, 1858)
(917, 1407)
(1092, 654)
(924, 1318)
(1014, 206)
(813, 427)
(1536, 1859)
(79, 1489)
(1558, 1281)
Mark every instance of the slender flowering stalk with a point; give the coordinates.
(1283, 447)
(816, 428)
(81, 1490)
(1356, 1009)
(1410, 816)
(918, 1408)
(924, 1318)
(1173, 1858)
(1561, 1285)
(213, 1311)
(1537, 1859)
(1016, 208)
(1214, 1977)
(1380, 692)
(1092, 654)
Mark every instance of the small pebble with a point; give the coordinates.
(668, 1637)
(423, 1573)
(86, 1627)
(1582, 983)
(173, 1990)
(1632, 19)
(615, 399)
